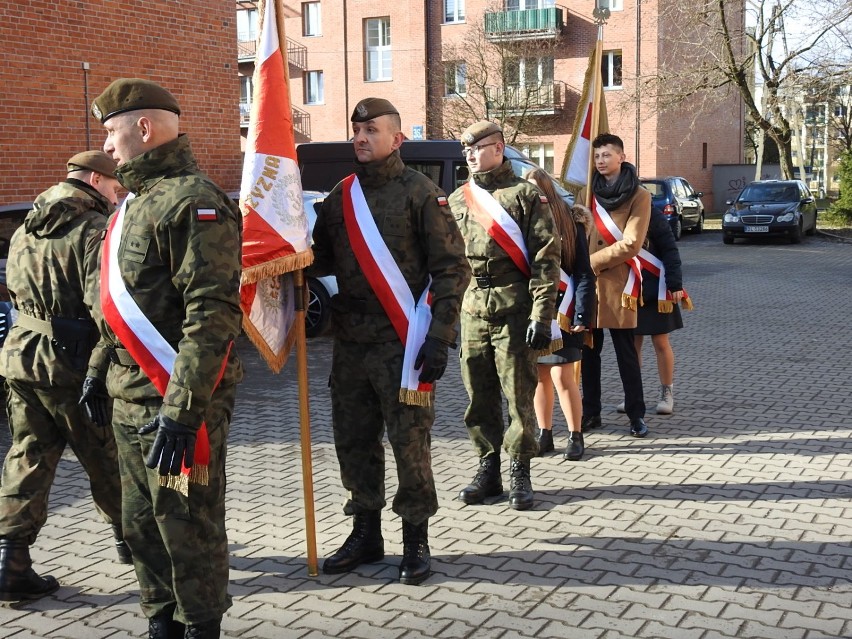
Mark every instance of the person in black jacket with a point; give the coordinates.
(653, 321)
(557, 368)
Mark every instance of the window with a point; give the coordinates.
(453, 10)
(314, 93)
(540, 153)
(840, 111)
(311, 19)
(523, 5)
(377, 38)
(612, 5)
(611, 69)
(528, 71)
(245, 97)
(247, 25)
(455, 78)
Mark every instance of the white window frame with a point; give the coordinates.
(454, 11)
(540, 153)
(246, 96)
(247, 25)
(609, 61)
(311, 19)
(378, 58)
(612, 5)
(314, 87)
(458, 68)
(526, 5)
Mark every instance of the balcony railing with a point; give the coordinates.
(301, 119)
(536, 99)
(297, 54)
(528, 24)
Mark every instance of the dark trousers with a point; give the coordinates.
(628, 369)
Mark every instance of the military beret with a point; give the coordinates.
(475, 132)
(96, 161)
(371, 108)
(132, 94)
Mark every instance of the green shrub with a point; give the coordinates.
(842, 206)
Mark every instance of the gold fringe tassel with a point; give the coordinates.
(665, 306)
(415, 397)
(275, 361)
(589, 339)
(564, 322)
(686, 304)
(628, 301)
(277, 266)
(198, 474)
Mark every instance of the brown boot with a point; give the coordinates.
(18, 580)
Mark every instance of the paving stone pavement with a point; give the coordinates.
(732, 519)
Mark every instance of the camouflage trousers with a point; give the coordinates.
(365, 381)
(42, 422)
(494, 358)
(179, 544)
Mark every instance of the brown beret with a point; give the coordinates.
(132, 94)
(475, 132)
(371, 108)
(96, 161)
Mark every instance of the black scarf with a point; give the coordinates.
(611, 197)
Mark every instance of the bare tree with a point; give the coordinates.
(509, 82)
(717, 46)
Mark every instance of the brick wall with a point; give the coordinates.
(189, 46)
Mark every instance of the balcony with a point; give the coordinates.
(297, 54)
(529, 24)
(536, 99)
(301, 119)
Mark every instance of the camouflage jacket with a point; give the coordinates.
(513, 293)
(182, 267)
(412, 216)
(52, 256)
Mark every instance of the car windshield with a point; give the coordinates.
(657, 189)
(769, 193)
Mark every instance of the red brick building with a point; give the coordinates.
(58, 56)
(419, 55)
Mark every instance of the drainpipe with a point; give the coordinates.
(346, 133)
(427, 14)
(638, 70)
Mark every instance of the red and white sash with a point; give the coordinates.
(504, 230)
(565, 308)
(410, 318)
(146, 345)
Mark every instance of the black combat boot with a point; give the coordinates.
(18, 580)
(363, 546)
(576, 448)
(206, 630)
(545, 441)
(162, 626)
(486, 483)
(416, 564)
(520, 488)
(124, 556)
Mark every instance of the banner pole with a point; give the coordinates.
(596, 114)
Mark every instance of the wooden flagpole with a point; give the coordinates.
(300, 292)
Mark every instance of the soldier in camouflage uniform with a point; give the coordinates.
(52, 256)
(506, 317)
(413, 219)
(178, 257)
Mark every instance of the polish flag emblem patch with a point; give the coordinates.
(442, 201)
(205, 215)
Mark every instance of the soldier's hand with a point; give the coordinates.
(538, 335)
(433, 358)
(173, 445)
(95, 401)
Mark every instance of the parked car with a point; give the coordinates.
(320, 289)
(765, 208)
(678, 201)
(11, 217)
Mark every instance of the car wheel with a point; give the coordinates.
(796, 235)
(699, 226)
(677, 228)
(319, 309)
(728, 239)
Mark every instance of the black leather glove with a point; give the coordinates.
(538, 335)
(433, 357)
(173, 445)
(95, 401)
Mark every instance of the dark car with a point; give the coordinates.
(678, 201)
(766, 208)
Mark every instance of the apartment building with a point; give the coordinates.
(445, 62)
(58, 56)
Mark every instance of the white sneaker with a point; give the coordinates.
(620, 408)
(666, 404)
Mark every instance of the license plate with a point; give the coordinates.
(757, 229)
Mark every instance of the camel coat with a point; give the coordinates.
(608, 262)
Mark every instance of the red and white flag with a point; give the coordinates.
(578, 157)
(276, 238)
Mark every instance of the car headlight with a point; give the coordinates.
(732, 217)
(789, 216)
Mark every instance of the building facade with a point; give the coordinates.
(444, 63)
(58, 56)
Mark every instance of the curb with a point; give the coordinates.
(839, 238)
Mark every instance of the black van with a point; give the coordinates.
(324, 164)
